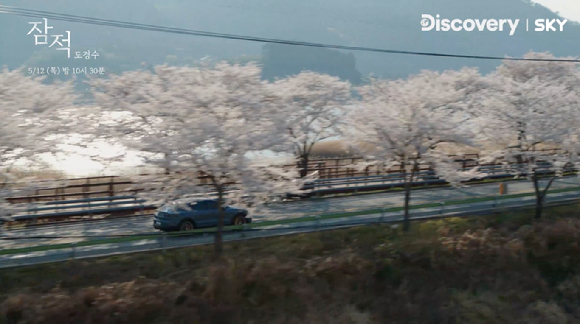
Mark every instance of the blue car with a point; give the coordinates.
(191, 214)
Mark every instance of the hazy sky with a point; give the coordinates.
(569, 9)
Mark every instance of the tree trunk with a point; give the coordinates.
(539, 207)
(540, 195)
(218, 240)
(303, 165)
(408, 183)
(167, 163)
(407, 220)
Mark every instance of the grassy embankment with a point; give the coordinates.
(495, 269)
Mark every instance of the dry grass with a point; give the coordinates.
(330, 149)
(497, 269)
(15, 175)
(340, 148)
(45, 174)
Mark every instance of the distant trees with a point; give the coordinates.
(281, 61)
(312, 108)
(525, 106)
(207, 61)
(404, 121)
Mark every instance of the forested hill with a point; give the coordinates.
(391, 24)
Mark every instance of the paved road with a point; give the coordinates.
(173, 242)
(143, 224)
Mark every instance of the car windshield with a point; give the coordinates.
(167, 208)
(174, 207)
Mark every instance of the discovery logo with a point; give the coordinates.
(429, 23)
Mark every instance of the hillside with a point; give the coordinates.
(392, 24)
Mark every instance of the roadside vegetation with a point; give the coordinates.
(495, 269)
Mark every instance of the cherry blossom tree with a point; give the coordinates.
(313, 107)
(553, 72)
(34, 117)
(201, 120)
(404, 122)
(526, 105)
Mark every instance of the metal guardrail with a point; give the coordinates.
(323, 187)
(163, 242)
(318, 187)
(88, 206)
(493, 170)
(80, 207)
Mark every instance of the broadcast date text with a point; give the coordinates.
(66, 70)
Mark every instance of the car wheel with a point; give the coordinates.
(239, 220)
(186, 226)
